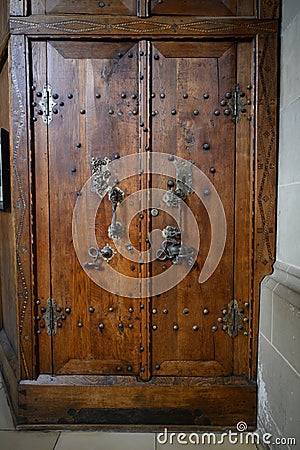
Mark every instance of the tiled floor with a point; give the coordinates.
(10, 439)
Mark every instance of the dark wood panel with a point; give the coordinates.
(18, 7)
(37, 7)
(4, 21)
(193, 7)
(269, 9)
(9, 371)
(193, 49)
(8, 276)
(115, 7)
(248, 8)
(88, 50)
(118, 7)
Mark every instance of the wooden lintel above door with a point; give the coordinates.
(141, 28)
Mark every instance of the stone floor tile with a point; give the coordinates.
(101, 440)
(6, 422)
(28, 440)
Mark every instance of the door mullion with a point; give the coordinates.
(42, 208)
(144, 140)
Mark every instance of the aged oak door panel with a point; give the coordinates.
(91, 115)
(189, 122)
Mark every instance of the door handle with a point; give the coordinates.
(100, 179)
(173, 249)
(115, 229)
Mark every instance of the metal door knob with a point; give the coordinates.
(106, 252)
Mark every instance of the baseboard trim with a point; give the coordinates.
(285, 282)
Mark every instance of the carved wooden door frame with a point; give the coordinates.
(263, 31)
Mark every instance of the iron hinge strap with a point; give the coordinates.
(233, 319)
(236, 103)
(50, 317)
(47, 103)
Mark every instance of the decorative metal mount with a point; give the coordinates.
(50, 317)
(100, 175)
(47, 103)
(174, 197)
(171, 199)
(116, 196)
(173, 249)
(235, 103)
(183, 178)
(115, 231)
(183, 183)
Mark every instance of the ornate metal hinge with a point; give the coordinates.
(234, 320)
(50, 317)
(47, 103)
(236, 103)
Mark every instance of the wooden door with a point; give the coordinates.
(188, 82)
(186, 100)
(84, 125)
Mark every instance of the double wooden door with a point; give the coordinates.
(180, 101)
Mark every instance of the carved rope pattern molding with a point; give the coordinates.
(267, 151)
(203, 26)
(20, 204)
